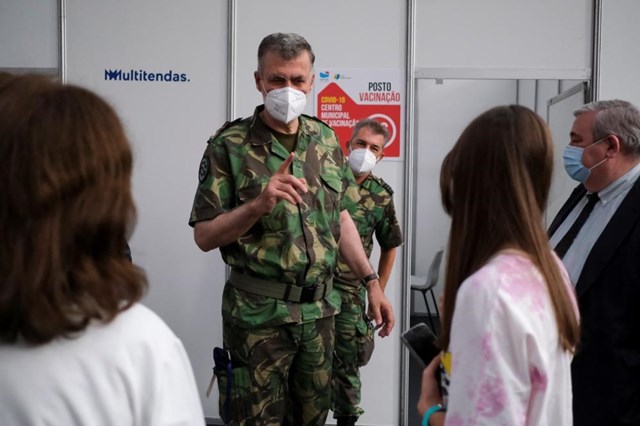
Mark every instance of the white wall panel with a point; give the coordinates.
(619, 59)
(168, 124)
(29, 34)
(541, 34)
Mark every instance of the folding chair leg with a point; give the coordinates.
(424, 296)
(435, 303)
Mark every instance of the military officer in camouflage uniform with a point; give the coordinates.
(275, 195)
(376, 214)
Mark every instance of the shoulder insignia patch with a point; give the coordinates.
(384, 184)
(203, 170)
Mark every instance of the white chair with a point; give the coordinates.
(426, 284)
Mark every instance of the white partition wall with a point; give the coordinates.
(618, 58)
(543, 35)
(162, 65)
(29, 35)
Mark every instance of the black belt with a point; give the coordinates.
(278, 290)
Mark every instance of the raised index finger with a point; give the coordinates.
(284, 167)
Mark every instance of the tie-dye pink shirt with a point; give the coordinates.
(507, 365)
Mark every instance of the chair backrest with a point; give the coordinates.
(434, 269)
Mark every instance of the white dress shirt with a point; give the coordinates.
(610, 199)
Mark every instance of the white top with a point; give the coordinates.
(507, 365)
(132, 371)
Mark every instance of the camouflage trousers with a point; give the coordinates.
(280, 375)
(353, 349)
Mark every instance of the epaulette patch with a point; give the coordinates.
(384, 184)
(314, 118)
(225, 126)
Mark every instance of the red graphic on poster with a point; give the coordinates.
(339, 111)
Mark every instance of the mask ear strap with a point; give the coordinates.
(598, 163)
(264, 91)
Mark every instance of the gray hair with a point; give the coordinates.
(617, 117)
(286, 45)
(375, 126)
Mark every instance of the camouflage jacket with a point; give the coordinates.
(376, 214)
(294, 244)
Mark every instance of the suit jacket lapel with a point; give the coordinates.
(567, 207)
(612, 236)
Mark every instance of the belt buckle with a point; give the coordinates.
(307, 294)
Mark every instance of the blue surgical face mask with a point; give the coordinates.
(573, 165)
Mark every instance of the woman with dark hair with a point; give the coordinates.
(76, 347)
(510, 322)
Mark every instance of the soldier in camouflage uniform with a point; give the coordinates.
(275, 195)
(375, 214)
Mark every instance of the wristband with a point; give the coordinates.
(369, 277)
(430, 411)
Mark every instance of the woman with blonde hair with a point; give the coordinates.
(76, 346)
(510, 322)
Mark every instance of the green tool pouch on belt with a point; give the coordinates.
(366, 342)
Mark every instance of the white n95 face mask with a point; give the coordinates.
(285, 104)
(362, 161)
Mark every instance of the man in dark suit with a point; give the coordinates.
(603, 259)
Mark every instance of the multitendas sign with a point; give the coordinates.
(170, 76)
